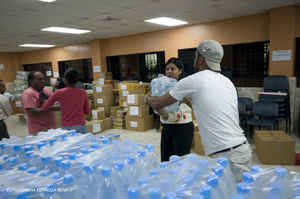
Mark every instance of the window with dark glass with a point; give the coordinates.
(83, 66)
(141, 67)
(245, 64)
(45, 68)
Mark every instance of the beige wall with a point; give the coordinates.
(11, 62)
(238, 30)
(297, 22)
(282, 37)
(72, 52)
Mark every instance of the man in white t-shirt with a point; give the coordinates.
(214, 101)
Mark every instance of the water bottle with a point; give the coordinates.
(151, 157)
(217, 191)
(69, 188)
(133, 193)
(121, 176)
(154, 193)
(107, 187)
(205, 191)
(230, 179)
(223, 184)
(170, 195)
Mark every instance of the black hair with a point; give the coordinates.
(178, 63)
(72, 76)
(30, 77)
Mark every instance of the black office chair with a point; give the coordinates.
(265, 115)
(245, 106)
(278, 83)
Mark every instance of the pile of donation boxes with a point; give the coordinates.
(119, 105)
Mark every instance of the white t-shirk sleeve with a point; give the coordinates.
(182, 89)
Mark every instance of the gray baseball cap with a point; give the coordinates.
(213, 53)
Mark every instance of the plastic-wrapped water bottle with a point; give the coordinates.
(133, 193)
(121, 176)
(107, 187)
(70, 189)
(154, 193)
(217, 192)
(219, 171)
(151, 157)
(228, 174)
(170, 195)
(205, 191)
(161, 86)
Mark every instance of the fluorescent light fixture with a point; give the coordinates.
(48, 1)
(65, 30)
(37, 45)
(166, 21)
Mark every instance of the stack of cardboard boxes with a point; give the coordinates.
(126, 88)
(20, 84)
(119, 119)
(103, 97)
(138, 117)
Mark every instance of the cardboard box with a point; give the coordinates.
(107, 100)
(17, 106)
(98, 126)
(94, 126)
(119, 123)
(106, 109)
(197, 146)
(275, 147)
(123, 103)
(125, 93)
(136, 100)
(139, 123)
(128, 85)
(139, 111)
(102, 90)
(107, 123)
(102, 75)
(113, 110)
(98, 114)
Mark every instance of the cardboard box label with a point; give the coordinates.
(125, 93)
(96, 128)
(49, 73)
(18, 104)
(101, 81)
(100, 101)
(97, 69)
(133, 124)
(130, 99)
(134, 110)
(101, 108)
(123, 87)
(95, 115)
(99, 89)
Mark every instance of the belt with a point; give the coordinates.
(229, 149)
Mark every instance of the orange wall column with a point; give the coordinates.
(282, 37)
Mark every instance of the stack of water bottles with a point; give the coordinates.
(64, 164)
(162, 85)
(187, 177)
(268, 183)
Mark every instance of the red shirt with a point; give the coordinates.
(74, 105)
(30, 99)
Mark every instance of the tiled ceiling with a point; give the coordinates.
(21, 20)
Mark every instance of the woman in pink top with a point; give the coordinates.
(73, 102)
